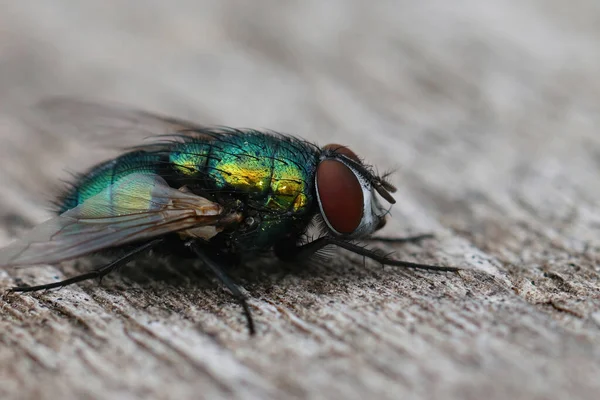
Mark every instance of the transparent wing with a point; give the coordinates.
(105, 124)
(136, 207)
(69, 135)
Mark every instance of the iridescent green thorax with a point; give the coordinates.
(272, 175)
(275, 171)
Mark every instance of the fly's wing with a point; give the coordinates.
(78, 134)
(136, 207)
(106, 124)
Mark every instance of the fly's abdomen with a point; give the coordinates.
(106, 174)
(273, 171)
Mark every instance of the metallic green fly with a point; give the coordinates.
(224, 195)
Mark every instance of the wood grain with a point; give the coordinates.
(488, 111)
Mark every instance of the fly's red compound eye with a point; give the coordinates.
(340, 196)
(338, 148)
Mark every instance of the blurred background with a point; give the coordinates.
(451, 95)
(487, 110)
(466, 85)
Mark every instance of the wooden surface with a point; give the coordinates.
(489, 113)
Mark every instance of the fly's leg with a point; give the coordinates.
(408, 239)
(398, 240)
(98, 273)
(305, 251)
(227, 281)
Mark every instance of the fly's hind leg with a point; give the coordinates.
(98, 273)
(225, 280)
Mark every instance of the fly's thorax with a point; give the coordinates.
(347, 193)
(190, 158)
(274, 172)
(262, 230)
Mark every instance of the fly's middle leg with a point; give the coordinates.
(219, 272)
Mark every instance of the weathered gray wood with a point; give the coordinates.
(489, 110)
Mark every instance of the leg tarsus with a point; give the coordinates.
(228, 282)
(306, 250)
(97, 273)
(408, 239)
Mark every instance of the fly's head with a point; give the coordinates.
(347, 193)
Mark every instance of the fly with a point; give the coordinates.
(223, 195)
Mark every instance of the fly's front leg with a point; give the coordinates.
(399, 240)
(292, 253)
